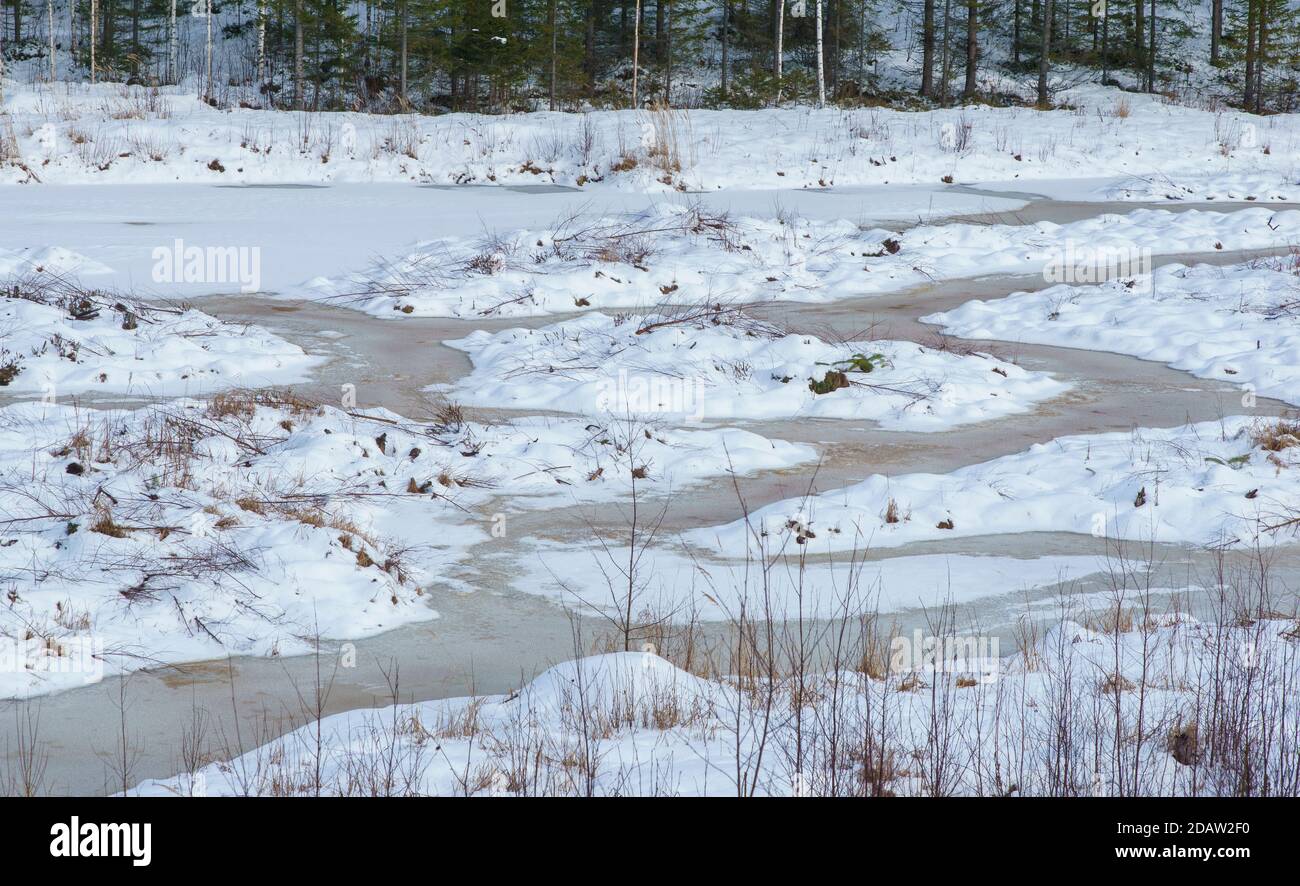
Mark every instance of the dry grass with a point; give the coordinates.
(891, 512)
(243, 403)
(668, 128)
(104, 524)
(253, 505)
(1110, 621)
(1276, 435)
(1117, 683)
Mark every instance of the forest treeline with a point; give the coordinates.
(494, 55)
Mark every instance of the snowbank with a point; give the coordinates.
(70, 133)
(688, 255)
(702, 364)
(1210, 483)
(1239, 324)
(74, 341)
(254, 522)
(633, 724)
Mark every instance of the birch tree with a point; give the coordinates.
(49, 13)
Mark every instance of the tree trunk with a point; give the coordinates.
(660, 51)
(49, 12)
(135, 36)
(945, 65)
(207, 94)
(1151, 53)
(636, 50)
(833, 73)
(589, 45)
(299, 94)
(862, 42)
(927, 49)
(1105, 43)
(726, 24)
(1015, 35)
(668, 55)
(1249, 98)
(1139, 30)
(1044, 54)
(780, 48)
(821, 66)
(261, 42)
(1216, 30)
(1261, 58)
(108, 33)
(972, 47)
(551, 23)
(404, 62)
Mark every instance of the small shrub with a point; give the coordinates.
(1183, 744)
(891, 512)
(832, 381)
(1274, 436)
(104, 525)
(9, 371)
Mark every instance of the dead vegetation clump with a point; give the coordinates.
(10, 368)
(1114, 684)
(243, 403)
(632, 240)
(1111, 621)
(1184, 745)
(45, 287)
(104, 524)
(1276, 435)
(702, 315)
(668, 128)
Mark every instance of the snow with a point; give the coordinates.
(71, 133)
(1238, 323)
(302, 234)
(51, 259)
(134, 349)
(699, 365)
(253, 523)
(630, 723)
(1201, 484)
(688, 254)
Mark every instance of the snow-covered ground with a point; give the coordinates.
(687, 254)
(303, 233)
(244, 520)
(57, 339)
(1222, 482)
(700, 363)
(630, 723)
(1238, 323)
(1151, 148)
(254, 522)
(55, 260)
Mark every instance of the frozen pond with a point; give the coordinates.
(493, 639)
